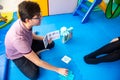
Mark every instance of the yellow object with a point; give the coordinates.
(8, 16)
(44, 6)
(91, 0)
(102, 5)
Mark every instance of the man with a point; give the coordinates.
(22, 45)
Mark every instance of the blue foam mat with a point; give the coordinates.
(86, 38)
(4, 67)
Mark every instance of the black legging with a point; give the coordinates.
(111, 51)
(28, 68)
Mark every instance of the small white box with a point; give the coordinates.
(66, 59)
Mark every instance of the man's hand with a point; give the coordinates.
(50, 41)
(62, 71)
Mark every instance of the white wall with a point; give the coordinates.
(9, 5)
(55, 6)
(62, 6)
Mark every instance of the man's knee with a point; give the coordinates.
(90, 60)
(33, 75)
(86, 59)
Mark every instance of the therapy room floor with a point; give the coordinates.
(87, 37)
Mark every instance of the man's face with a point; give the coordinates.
(36, 20)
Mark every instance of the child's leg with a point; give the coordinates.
(107, 49)
(110, 57)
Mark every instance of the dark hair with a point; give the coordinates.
(28, 9)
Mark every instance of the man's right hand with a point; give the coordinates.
(62, 71)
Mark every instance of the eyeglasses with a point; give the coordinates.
(38, 18)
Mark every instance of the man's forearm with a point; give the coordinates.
(37, 61)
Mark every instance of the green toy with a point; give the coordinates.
(70, 76)
(117, 2)
(110, 13)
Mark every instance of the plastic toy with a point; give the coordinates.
(109, 13)
(3, 18)
(66, 34)
(7, 17)
(84, 9)
(70, 76)
(117, 1)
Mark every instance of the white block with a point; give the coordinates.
(66, 59)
